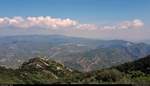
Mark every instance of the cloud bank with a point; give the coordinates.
(53, 23)
(134, 24)
(45, 22)
(45, 25)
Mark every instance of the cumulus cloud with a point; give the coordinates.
(3, 21)
(37, 21)
(49, 22)
(137, 23)
(131, 24)
(134, 24)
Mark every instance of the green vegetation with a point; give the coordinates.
(44, 71)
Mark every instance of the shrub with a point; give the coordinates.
(109, 75)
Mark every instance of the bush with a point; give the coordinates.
(134, 74)
(109, 75)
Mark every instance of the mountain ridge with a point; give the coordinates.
(74, 52)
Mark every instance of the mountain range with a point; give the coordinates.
(78, 53)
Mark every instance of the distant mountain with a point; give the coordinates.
(148, 42)
(137, 50)
(79, 53)
(108, 53)
(14, 50)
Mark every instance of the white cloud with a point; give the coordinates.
(53, 23)
(134, 24)
(108, 27)
(37, 21)
(137, 23)
(127, 30)
(131, 24)
(87, 27)
(3, 21)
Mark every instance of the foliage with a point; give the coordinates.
(109, 75)
(142, 65)
(42, 71)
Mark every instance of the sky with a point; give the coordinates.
(98, 19)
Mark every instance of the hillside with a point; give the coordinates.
(107, 54)
(142, 64)
(41, 70)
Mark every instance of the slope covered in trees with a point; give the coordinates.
(142, 65)
(44, 71)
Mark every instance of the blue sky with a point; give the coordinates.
(102, 19)
(84, 10)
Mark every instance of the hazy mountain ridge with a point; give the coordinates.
(79, 53)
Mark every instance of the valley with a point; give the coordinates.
(78, 53)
